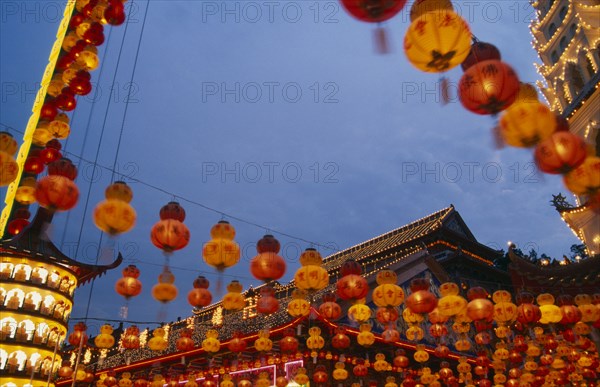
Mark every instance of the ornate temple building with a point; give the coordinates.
(567, 38)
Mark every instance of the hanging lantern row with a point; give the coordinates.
(71, 78)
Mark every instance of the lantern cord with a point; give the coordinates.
(135, 62)
(193, 202)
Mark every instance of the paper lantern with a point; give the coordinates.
(488, 87)
(388, 294)
(330, 309)
(359, 312)
(401, 361)
(170, 235)
(525, 124)
(298, 306)
(289, 343)
(550, 313)
(158, 341)
(119, 190)
(221, 251)
(386, 315)
(59, 128)
(437, 41)
(131, 338)
(114, 216)
(65, 371)
(8, 144)
(315, 341)
(479, 52)
(57, 191)
(311, 276)
(263, 343)
(200, 296)
(365, 337)
(339, 373)
(164, 291)
(267, 265)
(233, 299)
(129, 285)
(66, 100)
(185, 342)
(421, 7)
(360, 369)
(585, 179)
(421, 300)
(390, 335)
(211, 343)
(267, 302)
(26, 192)
(105, 339)
(560, 153)
(340, 340)
(114, 14)
(300, 377)
(78, 336)
(237, 343)
(373, 11)
(479, 307)
(351, 286)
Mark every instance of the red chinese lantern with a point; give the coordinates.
(267, 303)
(421, 7)
(421, 300)
(320, 374)
(340, 340)
(78, 335)
(560, 153)
(360, 369)
(289, 343)
(51, 152)
(237, 344)
(131, 338)
(488, 87)
(48, 111)
(480, 51)
(386, 315)
(170, 234)
(351, 286)
(401, 360)
(585, 179)
(200, 296)
(66, 100)
(479, 307)
(34, 163)
(267, 265)
(57, 191)
(115, 13)
(172, 210)
(185, 342)
(129, 285)
(330, 309)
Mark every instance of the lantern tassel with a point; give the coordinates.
(497, 137)
(381, 40)
(444, 91)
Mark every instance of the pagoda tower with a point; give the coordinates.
(567, 38)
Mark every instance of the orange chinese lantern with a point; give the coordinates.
(330, 309)
(437, 41)
(57, 191)
(131, 338)
(289, 343)
(320, 374)
(525, 124)
(65, 371)
(237, 344)
(164, 291)
(570, 313)
(8, 144)
(479, 52)
(200, 296)
(185, 342)
(26, 191)
(560, 153)
(585, 179)
(170, 234)
(311, 276)
(9, 168)
(315, 341)
(527, 312)
(115, 215)
(340, 340)
(221, 251)
(479, 307)
(267, 265)
(421, 300)
(488, 87)
(59, 128)
(267, 303)
(129, 285)
(351, 286)
(78, 337)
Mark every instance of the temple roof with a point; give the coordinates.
(583, 220)
(34, 243)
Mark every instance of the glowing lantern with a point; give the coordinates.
(129, 285)
(480, 51)
(504, 310)
(17, 225)
(340, 373)
(340, 340)
(34, 164)
(330, 309)
(365, 337)
(288, 343)
(415, 333)
(158, 341)
(390, 335)
(560, 153)
(185, 342)
(386, 315)
(237, 344)
(488, 87)
(388, 294)
(114, 216)
(298, 306)
(233, 299)
(421, 300)
(263, 343)
(525, 124)
(300, 377)
(267, 265)
(9, 168)
(320, 374)
(311, 276)
(211, 343)
(57, 191)
(437, 41)
(360, 369)
(59, 128)
(589, 311)
(26, 191)
(359, 312)
(8, 144)
(315, 341)
(401, 361)
(527, 312)
(221, 251)
(200, 296)
(172, 210)
(351, 286)
(114, 14)
(267, 303)
(78, 336)
(105, 339)
(131, 338)
(88, 58)
(570, 313)
(380, 364)
(226, 381)
(65, 371)
(479, 307)
(170, 234)
(421, 7)
(125, 380)
(164, 291)
(281, 380)
(585, 179)
(550, 313)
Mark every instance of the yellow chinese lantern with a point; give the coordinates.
(164, 291)
(437, 41)
(421, 355)
(226, 381)
(504, 310)
(233, 299)
(125, 380)
(298, 306)
(8, 144)
(415, 333)
(550, 313)
(524, 124)
(390, 381)
(365, 337)
(263, 343)
(41, 134)
(59, 127)
(589, 312)
(158, 341)
(105, 339)
(380, 363)
(340, 373)
(359, 312)
(412, 318)
(221, 251)
(311, 276)
(211, 344)
(585, 179)
(315, 341)
(88, 58)
(388, 294)
(26, 191)
(462, 345)
(301, 377)
(115, 215)
(451, 304)
(8, 168)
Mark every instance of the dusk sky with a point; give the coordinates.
(279, 113)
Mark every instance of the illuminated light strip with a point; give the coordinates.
(462, 252)
(35, 116)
